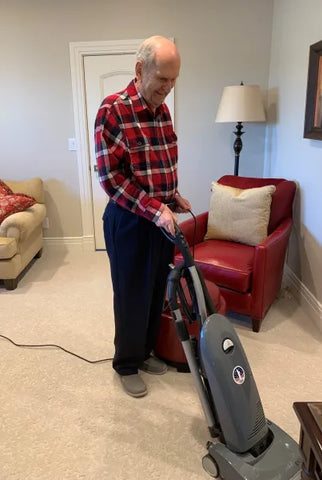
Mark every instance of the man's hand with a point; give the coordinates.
(166, 220)
(183, 206)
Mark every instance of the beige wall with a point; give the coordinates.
(221, 43)
(296, 25)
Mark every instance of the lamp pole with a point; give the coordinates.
(238, 145)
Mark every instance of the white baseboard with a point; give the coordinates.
(83, 243)
(305, 298)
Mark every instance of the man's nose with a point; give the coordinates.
(169, 85)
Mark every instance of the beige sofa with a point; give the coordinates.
(21, 236)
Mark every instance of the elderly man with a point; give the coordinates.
(136, 151)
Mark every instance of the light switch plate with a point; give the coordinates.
(72, 144)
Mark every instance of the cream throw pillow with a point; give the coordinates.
(239, 215)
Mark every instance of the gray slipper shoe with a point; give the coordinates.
(134, 385)
(154, 366)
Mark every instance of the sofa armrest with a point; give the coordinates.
(270, 257)
(33, 187)
(20, 225)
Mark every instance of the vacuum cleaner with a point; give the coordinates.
(245, 445)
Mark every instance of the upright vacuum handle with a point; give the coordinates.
(180, 241)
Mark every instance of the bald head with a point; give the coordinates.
(157, 68)
(154, 47)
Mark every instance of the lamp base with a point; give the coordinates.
(238, 145)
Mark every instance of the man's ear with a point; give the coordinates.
(138, 70)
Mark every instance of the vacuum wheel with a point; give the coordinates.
(210, 466)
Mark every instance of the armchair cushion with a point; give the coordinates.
(239, 215)
(231, 267)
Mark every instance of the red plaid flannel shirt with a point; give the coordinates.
(136, 153)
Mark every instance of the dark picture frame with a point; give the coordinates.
(313, 111)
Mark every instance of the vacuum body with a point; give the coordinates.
(245, 445)
(232, 385)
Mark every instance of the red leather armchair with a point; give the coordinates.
(249, 277)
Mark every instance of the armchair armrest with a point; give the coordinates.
(268, 267)
(188, 228)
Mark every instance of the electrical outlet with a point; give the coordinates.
(45, 222)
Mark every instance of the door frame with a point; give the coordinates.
(78, 50)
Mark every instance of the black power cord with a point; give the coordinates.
(194, 233)
(53, 345)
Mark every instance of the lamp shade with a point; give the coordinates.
(241, 103)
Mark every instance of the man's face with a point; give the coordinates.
(157, 80)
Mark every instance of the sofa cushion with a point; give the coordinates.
(8, 248)
(14, 203)
(239, 215)
(32, 187)
(227, 264)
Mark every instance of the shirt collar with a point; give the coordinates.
(138, 102)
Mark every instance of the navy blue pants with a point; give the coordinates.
(139, 256)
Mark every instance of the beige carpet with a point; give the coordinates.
(65, 419)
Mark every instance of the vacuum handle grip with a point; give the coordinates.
(180, 241)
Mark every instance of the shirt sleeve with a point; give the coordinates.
(114, 169)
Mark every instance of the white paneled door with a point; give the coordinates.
(104, 75)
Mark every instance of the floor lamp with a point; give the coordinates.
(240, 103)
